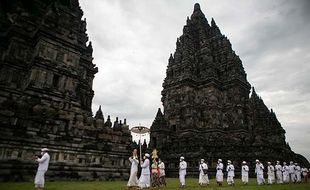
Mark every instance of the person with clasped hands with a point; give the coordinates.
(42, 168)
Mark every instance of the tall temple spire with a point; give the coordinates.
(198, 16)
(206, 77)
(159, 113)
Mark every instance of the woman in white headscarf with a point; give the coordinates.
(133, 179)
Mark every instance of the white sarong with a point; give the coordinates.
(39, 179)
(145, 181)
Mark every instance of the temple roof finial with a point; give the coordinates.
(196, 7)
(213, 24)
(99, 114)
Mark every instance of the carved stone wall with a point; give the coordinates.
(46, 76)
(208, 112)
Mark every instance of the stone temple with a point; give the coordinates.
(208, 110)
(46, 76)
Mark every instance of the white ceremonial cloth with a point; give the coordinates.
(133, 179)
(39, 180)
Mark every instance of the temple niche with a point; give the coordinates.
(210, 109)
(46, 77)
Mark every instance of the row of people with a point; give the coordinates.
(156, 176)
(284, 174)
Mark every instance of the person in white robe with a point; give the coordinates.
(182, 171)
(286, 174)
(203, 175)
(292, 172)
(39, 180)
(162, 173)
(230, 173)
(245, 173)
(145, 178)
(278, 169)
(270, 173)
(219, 172)
(298, 173)
(259, 170)
(133, 179)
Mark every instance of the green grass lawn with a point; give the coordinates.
(191, 184)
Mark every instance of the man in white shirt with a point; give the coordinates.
(230, 173)
(245, 173)
(270, 173)
(298, 173)
(203, 175)
(42, 168)
(162, 173)
(292, 172)
(259, 170)
(286, 174)
(145, 178)
(278, 169)
(219, 172)
(182, 171)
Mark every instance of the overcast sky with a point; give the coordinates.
(132, 41)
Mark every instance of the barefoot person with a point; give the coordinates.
(43, 166)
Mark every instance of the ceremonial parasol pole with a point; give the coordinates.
(140, 130)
